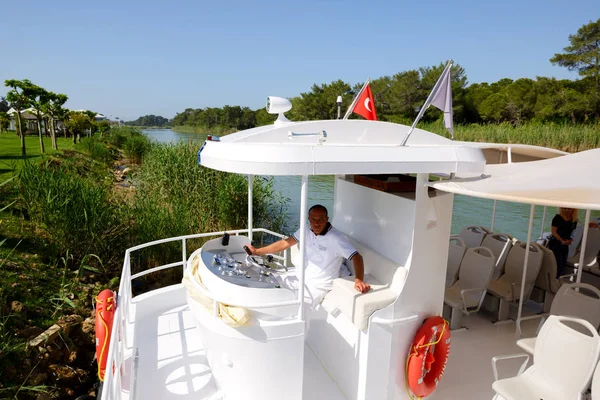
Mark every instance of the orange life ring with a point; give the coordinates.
(105, 314)
(428, 356)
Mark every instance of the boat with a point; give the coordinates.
(230, 331)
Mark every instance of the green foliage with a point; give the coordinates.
(175, 197)
(4, 106)
(4, 122)
(97, 149)
(150, 120)
(136, 147)
(73, 212)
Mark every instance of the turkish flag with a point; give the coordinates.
(365, 106)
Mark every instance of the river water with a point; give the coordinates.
(511, 218)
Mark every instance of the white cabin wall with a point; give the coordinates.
(382, 221)
(423, 291)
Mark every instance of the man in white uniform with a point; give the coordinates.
(326, 249)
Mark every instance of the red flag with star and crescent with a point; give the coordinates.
(365, 106)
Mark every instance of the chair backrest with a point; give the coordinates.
(476, 268)
(564, 357)
(579, 300)
(546, 279)
(500, 244)
(456, 251)
(513, 269)
(592, 248)
(473, 235)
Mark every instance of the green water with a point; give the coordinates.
(511, 218)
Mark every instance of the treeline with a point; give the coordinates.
(225, 119)
(150, 120)
(399, 97)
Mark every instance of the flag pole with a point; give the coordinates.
(349, 111)
(426, 104)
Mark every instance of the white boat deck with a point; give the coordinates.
(173, 365)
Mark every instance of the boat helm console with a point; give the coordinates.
(243, 270)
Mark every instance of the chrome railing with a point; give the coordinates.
(121, 346)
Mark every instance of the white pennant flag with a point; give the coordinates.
(442, 99)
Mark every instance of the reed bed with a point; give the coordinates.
(571, 138)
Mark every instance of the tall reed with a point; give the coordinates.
(75, 213)
(566, 137)
(175, 196)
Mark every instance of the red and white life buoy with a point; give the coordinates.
(105, 314)
(428, 356)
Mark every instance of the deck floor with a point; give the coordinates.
(173, 365)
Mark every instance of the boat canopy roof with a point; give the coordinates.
(338, 147)
(567, 181)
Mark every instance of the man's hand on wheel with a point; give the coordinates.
(252, 249)
(361, 286)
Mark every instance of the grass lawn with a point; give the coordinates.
(10, 151)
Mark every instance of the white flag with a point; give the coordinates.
(442, 99)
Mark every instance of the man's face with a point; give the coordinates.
(317, 219)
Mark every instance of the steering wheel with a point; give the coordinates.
(259, 262)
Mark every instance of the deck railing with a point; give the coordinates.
(121, 344)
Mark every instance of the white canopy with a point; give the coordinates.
(567, 181)
(338, 147)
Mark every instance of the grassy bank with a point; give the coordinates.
(10, 151)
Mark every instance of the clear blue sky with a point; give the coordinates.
(131, 58)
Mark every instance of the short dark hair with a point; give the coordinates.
(318, 207)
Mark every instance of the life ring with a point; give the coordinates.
(429, 352)
(105, 314)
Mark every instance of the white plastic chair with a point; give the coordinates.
(473, 235)
(596, 383)
(456, 251)
(500, 244)
(564, 360)
(579, 300)
(546, 280)
(508, 287)
(592, 248)
(467, 293)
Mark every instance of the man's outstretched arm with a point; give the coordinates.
(359, 272)
(276, 247)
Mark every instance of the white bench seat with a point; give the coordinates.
(355, 306)
(385, 276)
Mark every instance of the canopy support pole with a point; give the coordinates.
(583, 244)
(250, 177)
(494, 216)
(520, 311)
(303, 219)
(543, 223)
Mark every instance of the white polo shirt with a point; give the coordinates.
(325, 254)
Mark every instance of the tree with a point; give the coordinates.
(583, 55)
(38, 98)
(78, 123)
(4, 122)
(4, 106)
(54, 110)
(19, 99)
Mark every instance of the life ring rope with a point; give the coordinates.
(414, 353)
(109, 304)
